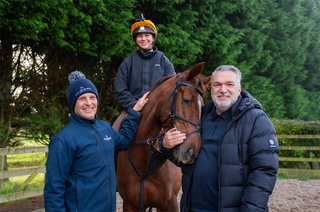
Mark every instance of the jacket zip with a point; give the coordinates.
(97, 144)
(228, 127)
(105, 154)
(76, 195)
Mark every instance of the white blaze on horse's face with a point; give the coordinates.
(200, 105)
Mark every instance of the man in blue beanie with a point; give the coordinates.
(80, 172)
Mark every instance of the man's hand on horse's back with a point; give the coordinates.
(173, 138)
(141, 102)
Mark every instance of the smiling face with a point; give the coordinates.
(144, 40)
(224, 90)
(86, 106)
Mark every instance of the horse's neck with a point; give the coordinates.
(150, 124)
(148, 127)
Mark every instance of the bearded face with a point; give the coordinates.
(224, 90)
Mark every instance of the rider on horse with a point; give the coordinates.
(142, 69)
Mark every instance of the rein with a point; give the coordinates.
(156, 158)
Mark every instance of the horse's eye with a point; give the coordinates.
(185, 99)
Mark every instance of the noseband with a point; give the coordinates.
(172, 114)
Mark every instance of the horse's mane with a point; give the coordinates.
(160, 81)
(198, 81)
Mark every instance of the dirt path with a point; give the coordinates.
(295, 196)
(288, 196)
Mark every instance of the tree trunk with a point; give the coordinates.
(5, 98)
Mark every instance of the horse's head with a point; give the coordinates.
(182, 109)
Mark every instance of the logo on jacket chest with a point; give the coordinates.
(107, 138)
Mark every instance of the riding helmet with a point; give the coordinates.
(143, 26)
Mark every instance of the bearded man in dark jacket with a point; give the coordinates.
(236, 169)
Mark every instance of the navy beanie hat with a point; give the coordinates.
(78, 86)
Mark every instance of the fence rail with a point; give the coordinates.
(299, 136)
(31, 171)
(297, 173)
(291, 173)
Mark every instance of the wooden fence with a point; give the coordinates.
(291, 173)
(31, 171)
(298, 173)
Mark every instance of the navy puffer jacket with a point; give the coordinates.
(248, 160)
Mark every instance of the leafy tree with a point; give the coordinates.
(275, 43)
(285, 54)
(56, 37)
(311, 82)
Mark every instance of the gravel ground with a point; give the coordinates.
(287, 196)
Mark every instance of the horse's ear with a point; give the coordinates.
(206, 81)
(195, 71)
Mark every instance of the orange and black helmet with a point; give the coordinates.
(143, 26)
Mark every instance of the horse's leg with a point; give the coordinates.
(127, 207)
(172, 205)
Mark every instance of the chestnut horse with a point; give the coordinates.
(174, 101)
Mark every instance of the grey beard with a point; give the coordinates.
(222, 108)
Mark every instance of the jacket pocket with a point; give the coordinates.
(240, 156)
(241, 164)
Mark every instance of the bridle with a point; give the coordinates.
(156, 159)
(172, 115)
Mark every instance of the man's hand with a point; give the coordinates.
(141, 102)
(173, 138)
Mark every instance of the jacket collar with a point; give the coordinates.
(244, 102)
(147, 55)
(80, 120)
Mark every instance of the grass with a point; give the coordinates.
(23, 160)
(281, 176)
(14, 184)
(304, 179)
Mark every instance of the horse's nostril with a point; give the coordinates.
(190, 152)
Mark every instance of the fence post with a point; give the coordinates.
(1, 169)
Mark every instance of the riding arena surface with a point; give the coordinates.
(287, 196)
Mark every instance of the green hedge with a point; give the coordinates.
(297, 127)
